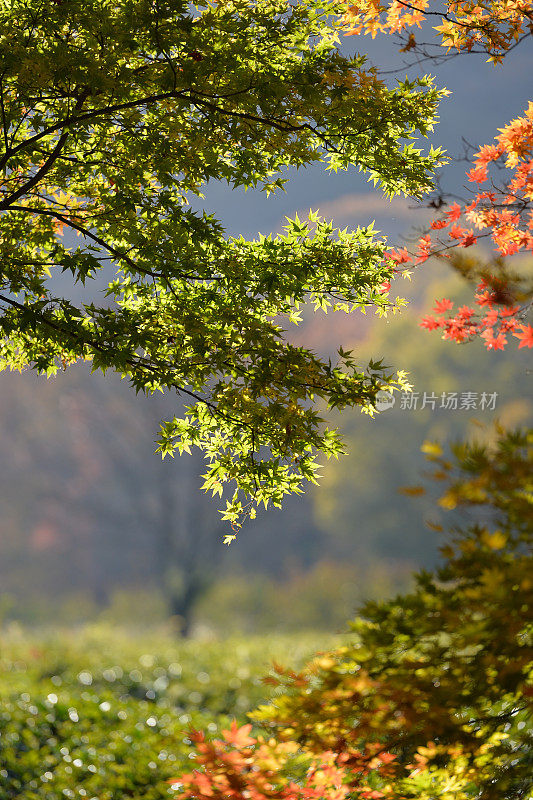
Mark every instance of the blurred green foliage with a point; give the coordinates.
(320, 598)
(102, 715)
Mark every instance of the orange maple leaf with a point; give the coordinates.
(525, 336)
(239, 737)
(494, 342)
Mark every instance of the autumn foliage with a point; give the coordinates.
(505, 216)
(492, 26)
(502, 174)
(432, 695)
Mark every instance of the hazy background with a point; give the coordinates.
(94, 525)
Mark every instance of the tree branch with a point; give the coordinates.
(190, 95)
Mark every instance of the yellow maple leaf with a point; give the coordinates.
(431, 449)
(494, 540)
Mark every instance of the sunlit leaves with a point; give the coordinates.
(492, 26)
(502, 214)
(114, 116)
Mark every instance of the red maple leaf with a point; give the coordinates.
(526, 336)
(430, 323)
(203, 784)
(484, 299)
(465, 312)
(489, 152)
(386, 758)
(454, 213)
(490, 318)
(456, 232)
(423, 249)
(509, 312)
(399, 256)
(441, 306)
(494, 342)
(491, 196)
(455, 330)
(437, 224)
(468, 240)
(508, 325)
(478, 174)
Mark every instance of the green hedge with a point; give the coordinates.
(102, 716)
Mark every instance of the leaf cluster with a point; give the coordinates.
(114, 115)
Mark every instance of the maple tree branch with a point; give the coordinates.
(114, 252)
(110, 249)
(25, 188)
(76, 226)
(48, 164)
(70, 121)
(446, 16)
(4, 121)
(284, 127)
(140, 363)
(190, 95)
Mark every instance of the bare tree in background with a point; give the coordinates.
(162, 499)
(89, 505)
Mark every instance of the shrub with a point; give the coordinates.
(432, 698)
